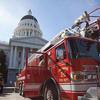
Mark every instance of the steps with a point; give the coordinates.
(9, 90)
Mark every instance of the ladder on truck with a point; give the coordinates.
(57, 38)
(88, 29)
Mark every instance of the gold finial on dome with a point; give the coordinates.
(29, 12)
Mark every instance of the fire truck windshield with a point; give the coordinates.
(84, 48)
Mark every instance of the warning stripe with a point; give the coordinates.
(73, 91)
(81, 87)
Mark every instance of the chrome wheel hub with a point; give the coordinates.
(49, 95)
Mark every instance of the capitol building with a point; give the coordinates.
(26, 35)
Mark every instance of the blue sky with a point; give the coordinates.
(52, 15)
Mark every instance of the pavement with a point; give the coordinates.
(16, 96)
(9, 94)
(8, 90)
(12, 96)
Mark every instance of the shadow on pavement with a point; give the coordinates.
(37, 98)
(4, 94)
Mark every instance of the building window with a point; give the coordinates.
(27, 33)
(31, 24)
(28, 24)
(30, 33)
(19, 54)
(34, 26)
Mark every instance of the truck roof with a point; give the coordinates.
(57, 39)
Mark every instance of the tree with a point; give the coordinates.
(3, 67)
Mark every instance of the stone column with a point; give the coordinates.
(23, 58)
(15, 55)
(25, 33)
(28, 32)
(11, 57)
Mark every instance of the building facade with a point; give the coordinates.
(27, 35)
(6, 48)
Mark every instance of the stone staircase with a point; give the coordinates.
(9, 90)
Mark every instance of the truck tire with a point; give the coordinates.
(50, 92)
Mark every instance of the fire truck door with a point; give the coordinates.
(61, 61)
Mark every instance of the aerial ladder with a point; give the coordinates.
(90, 30)
(87, 26)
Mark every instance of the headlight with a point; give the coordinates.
(77, 76)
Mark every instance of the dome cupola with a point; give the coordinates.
(28, 26)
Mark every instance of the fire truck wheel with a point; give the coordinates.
(50, 92)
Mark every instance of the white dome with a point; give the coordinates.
(28, 26)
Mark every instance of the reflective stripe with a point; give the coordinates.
(73, 91)
(79, 87)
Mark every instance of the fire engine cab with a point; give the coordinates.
(66, 68)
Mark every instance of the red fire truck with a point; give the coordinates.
(66, 68)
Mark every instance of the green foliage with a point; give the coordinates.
(3, 67)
